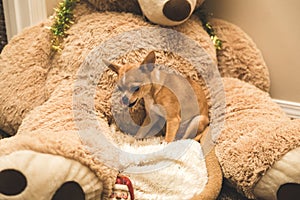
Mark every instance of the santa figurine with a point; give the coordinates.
(122, 189)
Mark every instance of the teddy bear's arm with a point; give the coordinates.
(23, 69)
(239, 56)
(256, 137)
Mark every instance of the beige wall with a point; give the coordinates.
(51, 4)
(275, 28)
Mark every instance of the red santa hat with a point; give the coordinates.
(124, 183)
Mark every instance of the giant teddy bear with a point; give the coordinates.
(42, 104)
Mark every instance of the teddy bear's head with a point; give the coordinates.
(168, 12)
(162, 12)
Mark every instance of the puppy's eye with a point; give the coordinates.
(120, 88)
(135, 89)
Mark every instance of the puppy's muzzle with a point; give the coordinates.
(126, 101)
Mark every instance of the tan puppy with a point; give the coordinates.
(169, 98)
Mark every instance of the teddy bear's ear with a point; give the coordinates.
(168, 12)
(112, 66)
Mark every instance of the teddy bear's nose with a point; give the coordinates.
(177, 10)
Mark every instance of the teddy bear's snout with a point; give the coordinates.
(14, 182)
(41, 176)
(177, 10)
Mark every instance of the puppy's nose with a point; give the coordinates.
(177, 10)
(125, 100)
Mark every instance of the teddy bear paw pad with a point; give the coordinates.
(30, 175)
(282, 181)
(12, 182)
(289, 191)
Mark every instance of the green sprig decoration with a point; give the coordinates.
(63, 19)
(204, 16)
(216, 41)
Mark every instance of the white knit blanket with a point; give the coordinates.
(158, 170)
(177, 173)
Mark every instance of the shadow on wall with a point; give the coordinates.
(275, 28)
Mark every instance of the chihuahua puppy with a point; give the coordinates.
(170, 99)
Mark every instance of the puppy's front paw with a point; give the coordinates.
(168, 141)
(203, 123)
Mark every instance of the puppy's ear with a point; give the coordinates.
(148, 64)
(112, 66)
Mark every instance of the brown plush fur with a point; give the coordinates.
(20, 95)
(27, 85)
(257, 133)
(41, 133)
(131, 6)
(36, 89)
(248, 64)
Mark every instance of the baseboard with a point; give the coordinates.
(292, 109)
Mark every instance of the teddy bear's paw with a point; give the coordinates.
(282, 181)
(30, 175)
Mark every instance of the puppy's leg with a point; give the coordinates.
(149, 123)
(192, 128)
(157, 128)
(203, 122)
(201, 137)
(172, 128)
(196, 126)
(143, 130)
